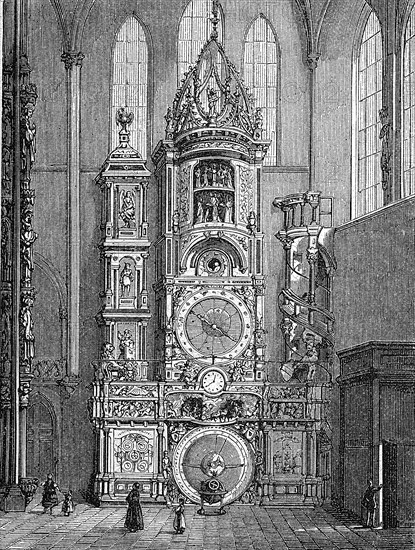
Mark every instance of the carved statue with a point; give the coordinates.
(237, 372)
(107, 351)
(228, 214)
(127, 279)
(214, 203)
(6, 246)
(213, 97)
(386, 137)
(5, 326)
(167, 468)
(26, 320)
(28, 132)
(199, 211)
(187, 373)
(126, 345)
(127, 209)
(28, 237)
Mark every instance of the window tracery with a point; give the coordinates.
(367, 188)
(261, 75)
(408, 122)
(194, 31)
(130, 82)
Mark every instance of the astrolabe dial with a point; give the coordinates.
(214, 324)
(216, 457)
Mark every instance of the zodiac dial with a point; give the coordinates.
(214, 324)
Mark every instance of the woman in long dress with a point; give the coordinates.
(134, 519)
(179, 522)
(49, 497)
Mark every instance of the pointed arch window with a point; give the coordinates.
(367, 194)
(261, 75)
(408, 134)
(194, 31)
(130, 82)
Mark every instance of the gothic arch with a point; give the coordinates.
(148, 76)
(53, 275)
(222, 243)
(44, 445)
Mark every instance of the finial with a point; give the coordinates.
(124, 118)
(215, 19)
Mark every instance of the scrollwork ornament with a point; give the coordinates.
(5, 393)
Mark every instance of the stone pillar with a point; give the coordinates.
(73, 64)
(24, 391)
(312, 60)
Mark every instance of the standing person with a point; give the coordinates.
(67, 504)
(49, 497)
(369, 502)
(179, 523)
(134, 519)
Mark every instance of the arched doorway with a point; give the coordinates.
(40, 441)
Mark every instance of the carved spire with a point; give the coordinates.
(213, 94)
(215, 20)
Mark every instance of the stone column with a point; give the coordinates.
(24, 392)
(312, 60)
(73, 64)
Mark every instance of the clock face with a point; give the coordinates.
(214, 324)
(213, 381)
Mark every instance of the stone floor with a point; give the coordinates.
(242, 528)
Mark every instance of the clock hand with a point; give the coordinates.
(225, 334)
(214, 326)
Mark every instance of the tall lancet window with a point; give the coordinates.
(194, 31)
(261, 75)
(408, 180)
(129, 82)
(367, 181)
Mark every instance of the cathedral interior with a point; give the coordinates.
(207, 238)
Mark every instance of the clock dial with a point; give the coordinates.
(213, 381)
(214, 324)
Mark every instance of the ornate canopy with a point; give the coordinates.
(213, 95)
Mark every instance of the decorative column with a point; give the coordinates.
(312, 60)
(73, 65)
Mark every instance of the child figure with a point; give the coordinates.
(67, 504)
(179, 523)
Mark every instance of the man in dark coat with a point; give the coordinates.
(369, 502)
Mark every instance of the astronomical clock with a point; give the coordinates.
(209, 282)
(203, 414)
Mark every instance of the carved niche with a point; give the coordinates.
(214, 196)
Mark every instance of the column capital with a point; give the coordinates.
(71, 58)
(312, 60)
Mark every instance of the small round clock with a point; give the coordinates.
(213, 381)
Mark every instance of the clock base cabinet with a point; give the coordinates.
(257, 443)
